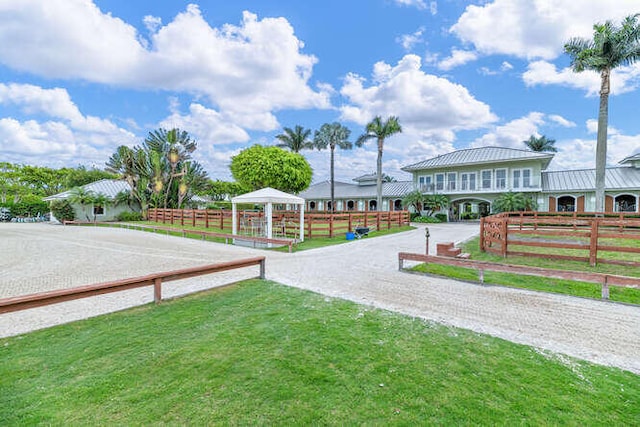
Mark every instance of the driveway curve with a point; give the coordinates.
(42, 257)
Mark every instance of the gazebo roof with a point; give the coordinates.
(268, 195)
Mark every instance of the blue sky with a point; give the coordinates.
(80, 77)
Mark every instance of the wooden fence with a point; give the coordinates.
(228, 237)
(604, 280)
(317, 224)
(52, 297)
(584, 234)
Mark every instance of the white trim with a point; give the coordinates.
(506, 179)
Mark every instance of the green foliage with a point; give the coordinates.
(129, 216)
(435, 202)
(62, 210)
(414, 200)
(295, 139)
(82, 176)
(224, 190)
(540, 144)
(258, 167)
(427, 220)
(28, 206)
(469, 215)
(161, 172)
(260, 353)
(442, 217)
(514, 202)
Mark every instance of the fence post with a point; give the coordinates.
(157, 290)
(400, 262)
(378, 219)
(193, 217)
(482, 225)
(331, 224)
(505, 235)
(481, 276)
(350, 225)
(262, 268)
(593, 243)
(605, 288)
(426, 235)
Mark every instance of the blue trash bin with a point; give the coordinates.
(350, 235)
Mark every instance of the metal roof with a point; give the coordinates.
(343, 190)
(367, 177)
(630, 159)
(474, 156)
(108, 187)
(268, 195)
(621, 178)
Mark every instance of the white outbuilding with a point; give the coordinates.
(268, 197)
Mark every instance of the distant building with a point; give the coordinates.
(474, 178)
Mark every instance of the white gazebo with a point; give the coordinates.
(268, 196)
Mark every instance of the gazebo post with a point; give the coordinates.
(269, 219)
(234, 220)
(302, 222)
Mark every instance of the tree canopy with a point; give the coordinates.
(612, 46)
(540, 144)
(379, 130)
(258, 167)
(513, 202)
(295, 139)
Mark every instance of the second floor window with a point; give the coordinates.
(468, 181)
(522, 178)
(501, 178)
(439, 181)
(486, 180)
(451, 181)
(424, 183)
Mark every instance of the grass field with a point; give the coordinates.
(568, 287)
(262, 354)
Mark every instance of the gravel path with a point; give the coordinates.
(364, 271)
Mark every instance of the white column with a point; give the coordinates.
(269, 216)
(302, 222)
(234, 219)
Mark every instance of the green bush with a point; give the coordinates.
(415, 215)
(29, 205)
(129, 216)
(470, 215)
(427, 220)
(442, 217)
(62, 210)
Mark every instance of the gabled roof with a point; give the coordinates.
(367, 177)
(107, 187)
(343, 190)
(585, 180)
(474, 156)
(268, 195)
(630, 159)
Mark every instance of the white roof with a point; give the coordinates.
(107, 187)
(268, 195)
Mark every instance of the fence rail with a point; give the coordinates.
(604, 280)
(156, 280)
(226, 236)
(582, 233)
(317, 224)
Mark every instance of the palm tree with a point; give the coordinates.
(82, 197)
(295, 139)
(332, 135)
(540, 144)
(379, 130)
(388, 178)
(611, 47)
(414, 199)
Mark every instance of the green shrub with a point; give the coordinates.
(470, 215)
(29, 205)
(442, 217)
(129, 216)
(415, 215)
(427, 220)
(62, 210)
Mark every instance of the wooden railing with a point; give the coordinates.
(317, 224)
(585, 232)
(226, 236)
(604, 280)
(156, 280)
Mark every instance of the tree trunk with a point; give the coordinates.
(601, 145)
(333, 202)
(379, 177)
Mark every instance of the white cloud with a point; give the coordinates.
(561, 121)
(433, 7)
(506, 66)
(580, 153)
(207, 126)
(427, 105)
(247, 71)
(457, 58)
(152, 23)
(420, 4)
(534, 29)
(623, 79)
(407, 41)
(513, 133)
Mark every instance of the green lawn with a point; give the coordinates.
(260, 353)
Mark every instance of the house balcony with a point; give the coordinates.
(456, 188)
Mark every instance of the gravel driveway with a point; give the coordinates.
(37, 257)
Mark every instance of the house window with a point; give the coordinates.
(486, 180)
(451, 181)
(439, 181)
(468, 181)
(425, 184)
(98, 210)
(501, 179)
(472, 181)
(521, 178)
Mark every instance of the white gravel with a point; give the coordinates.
(38, 257)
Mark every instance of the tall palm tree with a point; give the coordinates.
(295, 139)
(332, 135)
(379, 130)
(540, 144)
(611, 47)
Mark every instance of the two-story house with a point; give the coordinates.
(474, 178)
